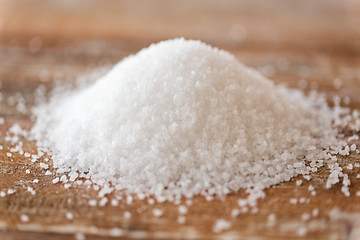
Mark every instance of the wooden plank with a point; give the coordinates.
(290, 40)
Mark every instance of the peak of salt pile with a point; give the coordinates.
(183, 118)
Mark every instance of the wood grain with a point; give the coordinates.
(42, 42)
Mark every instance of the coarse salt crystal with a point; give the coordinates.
(10, 191)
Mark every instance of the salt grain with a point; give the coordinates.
(127, 214)
(181, 219)
(69, 216)
(80, 236)
(182, 210)
(92, 202)
(221, 225)
(235, 212)
(103, 202)
(301, 231)
(10, 191)
(114, 202)
(315, 212)
(271, 220)
(24, 218)
(157, 212)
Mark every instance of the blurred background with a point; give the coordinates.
(300, 43)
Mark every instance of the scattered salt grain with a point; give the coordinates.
(10, 191)
(352, 138)
(103, 202)
(114, 202)
(27, 171)
(8, 154)
(2, 194)
(182, 210)
(298, 182)
(24, 218)
(127, 214)
(116, 232)
(305, 217)
(43, 165)
(63, 179)
(315, 212)
(221, 225)
(129, 200)
(358, 193)
(157, 212)
(69, 216)
(80, 236)
(151, 201)
(293, 200)
(301, 231)
(353, 147)
(92, 202)
(48, 173)
(181, 219)
(56, 180)
(271, 220)
(235, 212)
(307, 177)
(31, 190)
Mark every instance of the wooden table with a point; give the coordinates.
(292, 42)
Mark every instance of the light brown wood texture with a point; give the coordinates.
(46, 41)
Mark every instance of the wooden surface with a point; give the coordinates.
(46, 41)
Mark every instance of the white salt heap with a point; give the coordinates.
(183, 118)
